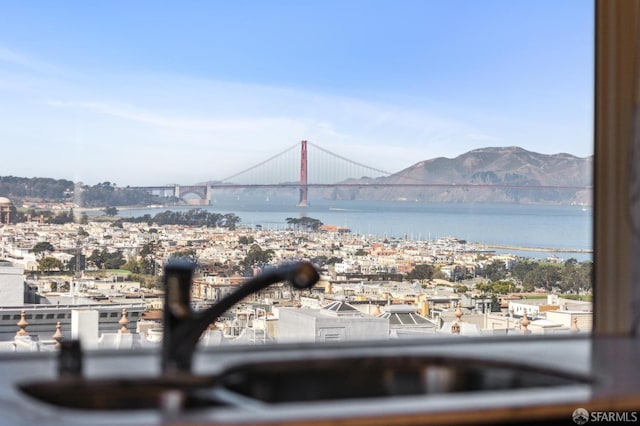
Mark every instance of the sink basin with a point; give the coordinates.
(258, 384)
(124, 394)
(378, 377)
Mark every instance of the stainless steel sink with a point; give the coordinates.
(379, 377)
(263, 383)
(124, 393)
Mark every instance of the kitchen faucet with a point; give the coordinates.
(183, 326)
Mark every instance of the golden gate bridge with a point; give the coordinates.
(295, 168)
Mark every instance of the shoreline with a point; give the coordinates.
(537, 249)
(332, 213)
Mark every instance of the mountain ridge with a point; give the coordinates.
(492, 174)
(483, 175)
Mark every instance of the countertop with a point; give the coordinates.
(610, 364)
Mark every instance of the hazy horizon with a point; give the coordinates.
(122, 185)
(141, 92)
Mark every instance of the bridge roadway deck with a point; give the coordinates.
(363, 185)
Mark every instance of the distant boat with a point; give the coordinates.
(267, 199)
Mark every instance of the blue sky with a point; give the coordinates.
(150, 92)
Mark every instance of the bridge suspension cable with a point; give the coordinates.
(255, 166)
(326, 151)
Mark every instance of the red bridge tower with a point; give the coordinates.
(303, 175)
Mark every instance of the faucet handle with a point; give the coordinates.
(178, 276)
(304, 276)
(183, 327)
(70, 359)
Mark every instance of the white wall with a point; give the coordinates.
(307, 325)
(11, 285)
(296, 326)
(84, 326)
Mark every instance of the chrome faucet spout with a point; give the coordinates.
(183, 327)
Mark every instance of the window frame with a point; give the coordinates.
(615, 246)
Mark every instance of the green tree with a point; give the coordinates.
(495, 305)
(147, 262)
(113, 260)
(107, 260)
(42, 248)
(148, 249)
(571, 261)
(586, 270)
(527, 286)
(521, 269)
(461, 289)
(502, 287)
(495, 271)
(544, 275)
(195, 217)
(132, 265)
(110, 211)
(45, 188)
(421, 272)
(82, 261)
(188, 253)
(48, 263)
(575, 277)
(147, 265)
(484, 287)
(96, 258)
(244, 240)
(319, 260)
(62, 218)
(438, 274)
(230, 221)
(256, 257)
(307, 223)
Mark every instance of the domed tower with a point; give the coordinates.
(7, 210)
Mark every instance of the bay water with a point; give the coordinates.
(558, 227)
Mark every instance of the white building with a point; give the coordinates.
(405, 322)
(335, 322)
(11, 284)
